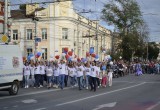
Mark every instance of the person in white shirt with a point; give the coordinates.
(49, 74)
(27, 73)
(62, 70)
(56, 75)
(32, 67)
(72, 73)
(37, 75)
(94, 73)
(98, 74)
(110, 75)
(42, 72)
(66, 76)
(87, 74)
(80, 70)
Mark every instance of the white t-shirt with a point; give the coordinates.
(62, 69)
(37, 70)
(32, 70)
(98, 71)
(66, 70)
(56, 71)
(110, 74)
(94, 71)
(88, 71)
(27, 70)
(80, 70)
(42, 69)
(72, 72)
(49, 71)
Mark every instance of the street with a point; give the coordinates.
(127, 93)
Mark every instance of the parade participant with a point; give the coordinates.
(87, 74)
(56, 75)
(110, 75)
(27, 73)
(94, 73)
(49, 74)
(37, 75)
(138, 69)
(62, 70)
(32, 77)
(66, 75)
(72, 73)
(98, 75)
(104, 76)
(42, 72)
(80, 70)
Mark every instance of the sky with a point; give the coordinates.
(149, 8)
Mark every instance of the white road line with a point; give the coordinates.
(69, 102)
(124, 82)
(41, 109)
(32, 93)
(153, 106)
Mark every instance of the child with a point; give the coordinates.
(110, 75)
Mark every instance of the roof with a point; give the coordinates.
(18, 14)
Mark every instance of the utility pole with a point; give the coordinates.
(6, 18)
(97, 37)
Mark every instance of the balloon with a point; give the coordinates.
(38, 53)
(97, 59)
(32, 58)
(67, 56)
(65, 49)
(57, 56)
(78, 59)
(87, 54)
(31, 55)
(93, 55)
(70, 53)
(96, 56)
(28, 58)
(69, 59)
(37, 56)
(91, 51)
(63, 54)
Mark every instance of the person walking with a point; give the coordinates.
(80, 70)
(56, 75)
(62, 70)
(42, 72)
(49, 74)
(32, 76)
(93, 75)
(37, 75)
(27, 73)
(87, 75)
(110, 75)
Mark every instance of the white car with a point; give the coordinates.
(11, 68)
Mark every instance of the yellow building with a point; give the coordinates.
(58, 26)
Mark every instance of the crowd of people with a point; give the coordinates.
(88, 75)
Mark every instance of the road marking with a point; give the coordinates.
(33, 93)
(41, 109)
(28, 101)
(153, 106)
(93, 96)
(124, 82)
(106, 105)
(15, 106)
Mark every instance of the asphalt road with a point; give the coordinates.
(127, 93)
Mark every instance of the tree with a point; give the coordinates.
(125, 15)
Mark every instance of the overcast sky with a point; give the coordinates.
(150, 9)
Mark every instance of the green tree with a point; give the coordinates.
(126, 16)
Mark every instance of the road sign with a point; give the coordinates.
(4, 38)
(37, 39)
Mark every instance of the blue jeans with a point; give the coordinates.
(49, 79)
(61, 80)
(80, 82)
(72, 81)
(87, 80)
(26, 78)
(56, 80)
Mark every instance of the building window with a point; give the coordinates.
(44, 33)
(15, 34)
(64, 33)
(44, 54)
(29, 34)
(29, 51)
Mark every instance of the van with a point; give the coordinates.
(11, 68)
